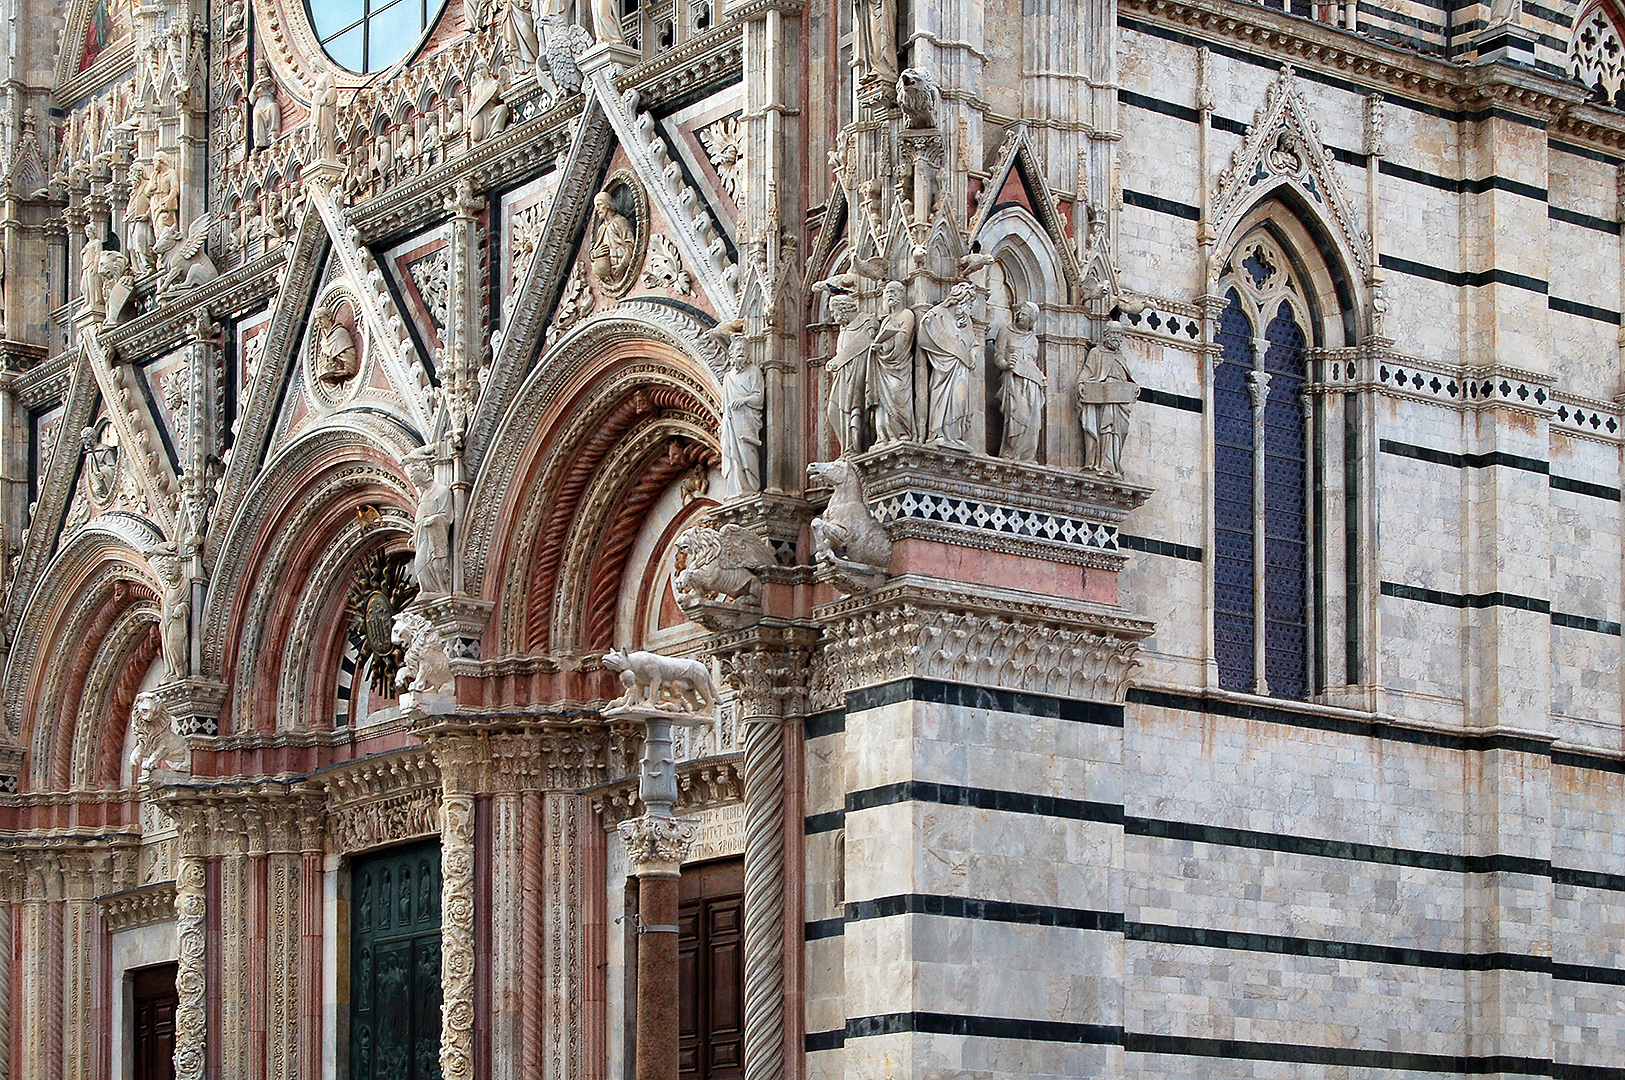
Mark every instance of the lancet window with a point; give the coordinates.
(1262, 490)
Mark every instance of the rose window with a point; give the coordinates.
(370, 35)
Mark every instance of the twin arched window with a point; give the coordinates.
(1262, 520)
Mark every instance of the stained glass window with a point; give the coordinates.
(1260, 487)
(370, 35)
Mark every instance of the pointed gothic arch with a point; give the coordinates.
(1284, 295)
(1597, 52)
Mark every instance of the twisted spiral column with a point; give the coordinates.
(766, 666)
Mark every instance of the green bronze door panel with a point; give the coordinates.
(395, 964)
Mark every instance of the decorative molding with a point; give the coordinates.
(396, 818)
(914, 627)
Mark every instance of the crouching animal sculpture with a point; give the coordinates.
(668, 683)
(722, 562)
(847, 540)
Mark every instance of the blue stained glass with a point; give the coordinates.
(1233, 500)
(1286, 630)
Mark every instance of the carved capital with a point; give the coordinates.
(766, 666)
(657, 845)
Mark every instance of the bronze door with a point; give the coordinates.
(395, 964)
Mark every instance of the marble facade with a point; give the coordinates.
(1256, 711)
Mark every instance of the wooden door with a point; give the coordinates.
(395, 964)
(153, 1015)
(711, 971)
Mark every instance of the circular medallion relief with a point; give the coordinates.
(335, 349)
(364, 36)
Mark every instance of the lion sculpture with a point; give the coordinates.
(669, 683)
(424, 666)
(725, 562)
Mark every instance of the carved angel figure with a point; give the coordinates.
(668, 683)
(158, 746)
(185, 262)
(723, 562)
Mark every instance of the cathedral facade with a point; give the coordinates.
(811, 539)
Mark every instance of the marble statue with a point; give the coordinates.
(723, 562)
(1106, 394)
(1021, 385)
(177, 621)
(614, 243)
(745, 395)
(945, 340)
(431, 530)
(667, 683)
(487, 113)
(520, 30)
(325, 112)
(606, 22)
(891, 369)
(425, 668)
(163, 193)
(919, 99)
(843, 408)
(876, 39)
(847, 539)
(138, 230)
(158, 746)
(337, 359)
(92, 286)
(267, 111)
(185, 261)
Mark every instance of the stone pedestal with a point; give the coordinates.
(612, 56)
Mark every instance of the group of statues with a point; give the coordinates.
(871, 380)
(154, 243)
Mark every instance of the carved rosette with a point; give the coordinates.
(191, 930)
(657, 846)
(457, 938)
(766, 667)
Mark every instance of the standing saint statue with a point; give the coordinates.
(606, 21)
(138, 231)
(325, 111)
(945, 339)
(843, 410)
(614, 243)
(1021, 390)
(891, 369)
(876, 51)
(745, 396)
(431, 530)
(177, 622)
(1106, 393)
(92, 286)
(267, 111)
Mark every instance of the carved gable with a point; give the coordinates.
(1283, 150)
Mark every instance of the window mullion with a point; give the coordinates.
(1258, 387)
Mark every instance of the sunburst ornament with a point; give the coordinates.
(379, 591)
